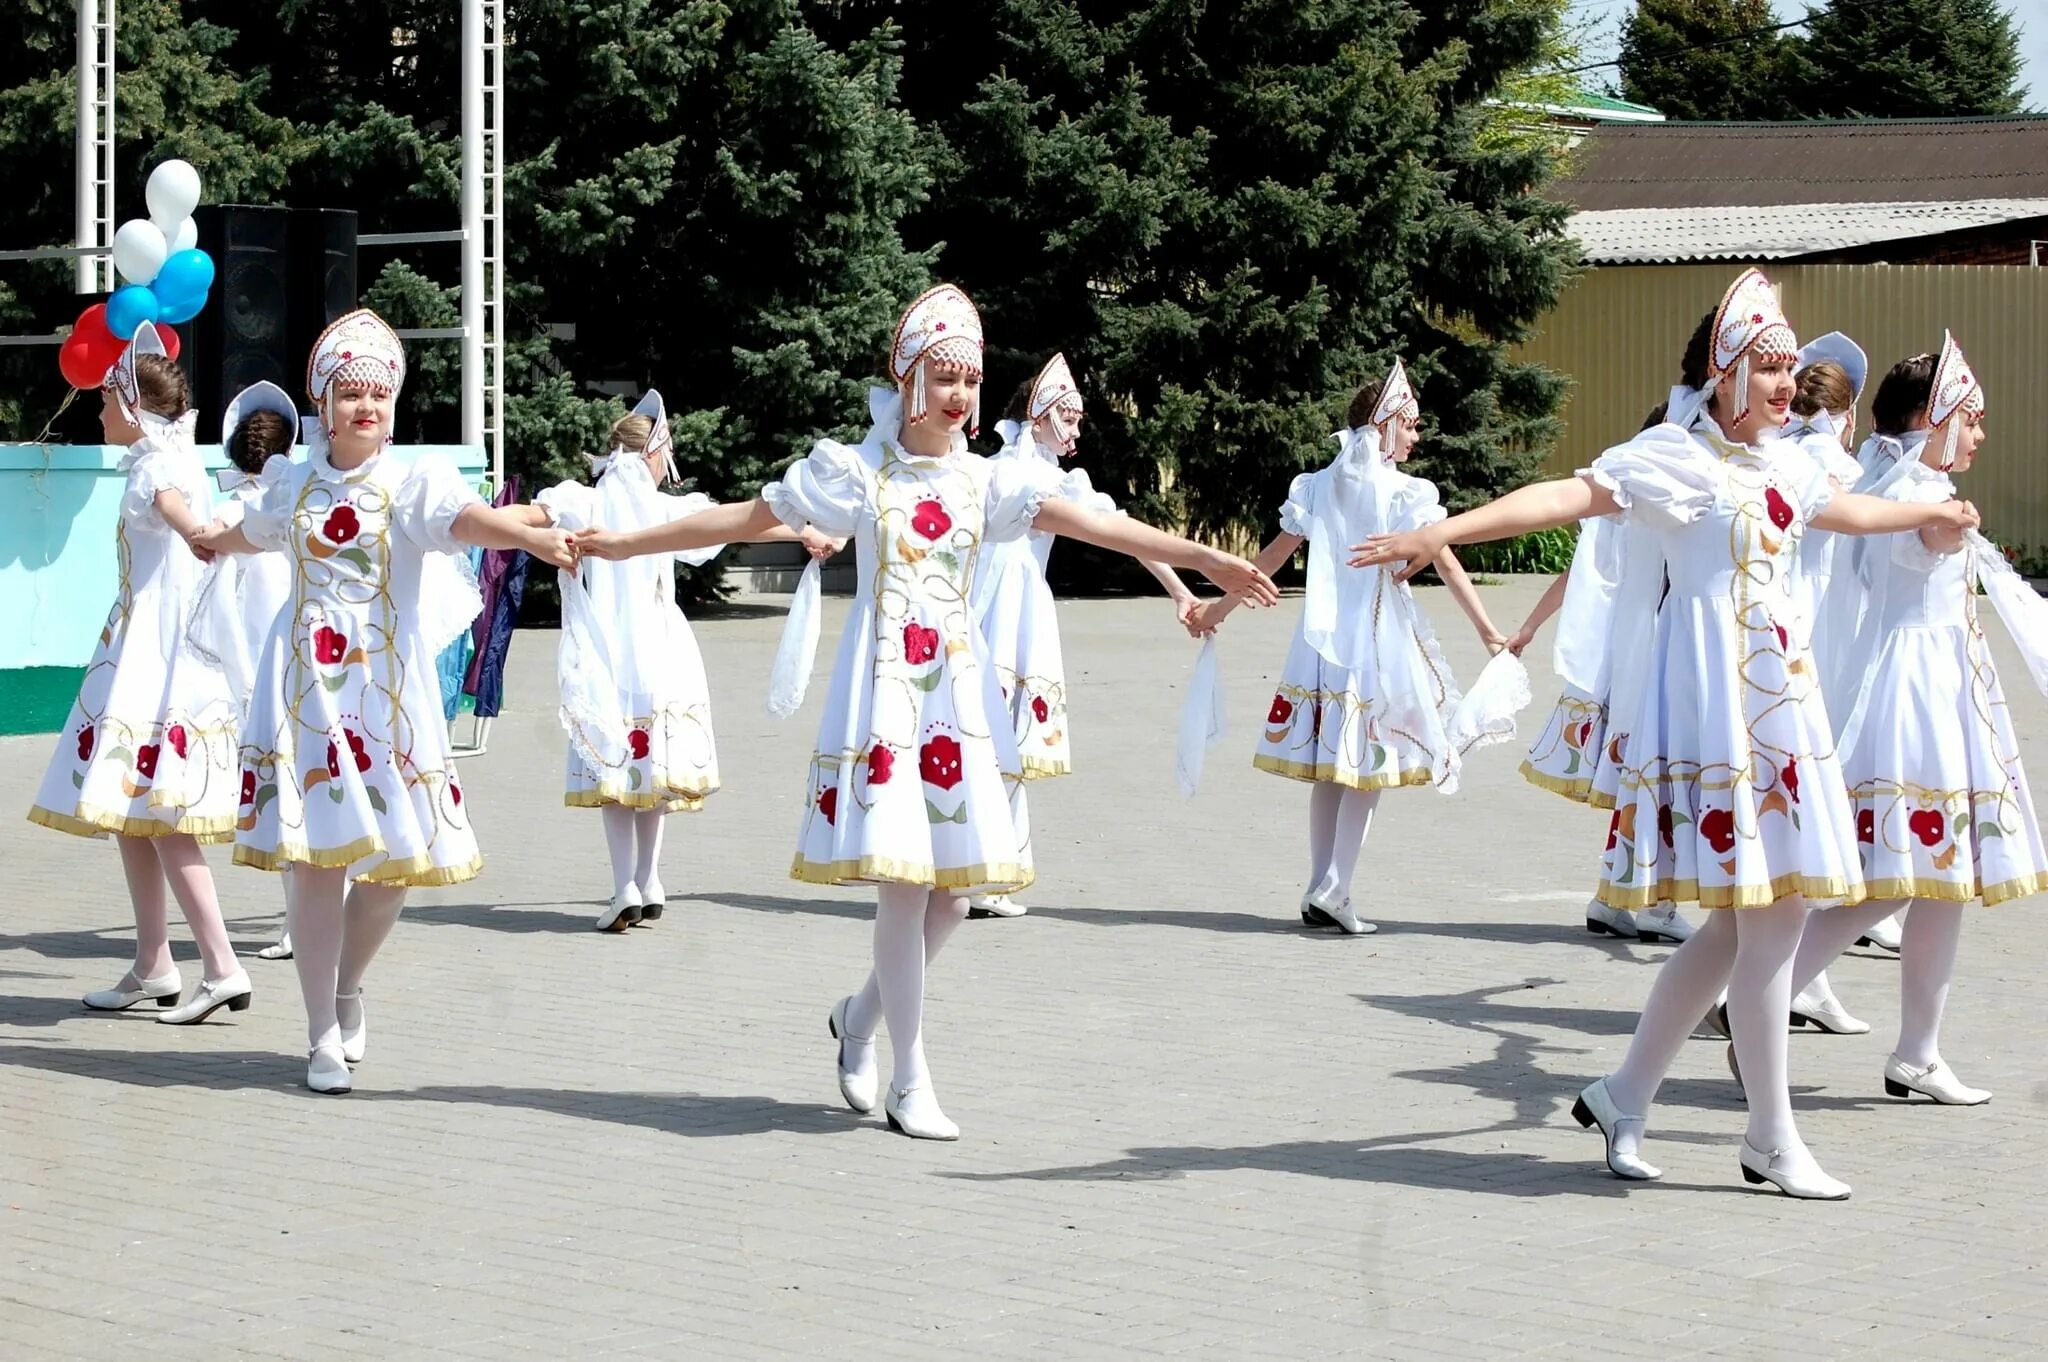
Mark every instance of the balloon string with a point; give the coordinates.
(50, 426)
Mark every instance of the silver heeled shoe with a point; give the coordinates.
(1935, 1080)
(859, 1089)
(164, 989)
(1806, 1182)
(1596, 1108)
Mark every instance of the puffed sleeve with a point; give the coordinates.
(1413, 504)
(568, 504)
(433, 494)
(1658, 477)
(267, 520)
(1016, 489)
(1907, 547)
(150, 470)
(679, 506)
(827, 488)
(1298, 511)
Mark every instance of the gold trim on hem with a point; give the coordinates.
(1634, 899)
(1577, 790)
(205, 831)
(1600, 799)
(1948, 891)
(597, 799)
(1323, 773)
(878, 870)
(1038, 768)
(416, 872)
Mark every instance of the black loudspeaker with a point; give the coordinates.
(280, 275)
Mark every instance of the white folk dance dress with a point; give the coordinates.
(1014, 609)
(911, 776)
(244, 593)
(149, 747)
(1943, 810)
(1365, 698)
(345, 753)
(1730, 793)
(634, 699)
(1830, 595)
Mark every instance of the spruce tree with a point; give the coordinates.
(1706, 59)
(1908, 59)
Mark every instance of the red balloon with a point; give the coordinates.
(82, 369)
(172, 345)
(103, 345)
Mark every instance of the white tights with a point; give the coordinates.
(336, 929)
(911, 925)
(1750, 951)
(1927, 961)
(149, 863)
(1338, 820)
(633, 837)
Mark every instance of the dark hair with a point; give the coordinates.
(1655, 418)
(1018, 408)
(1362, 405)
(1903, 395)
(1823, 386)
(261, 434)
(161, 386)
(1699, 351)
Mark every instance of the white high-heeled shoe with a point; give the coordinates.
(1821, 1009)
(1340, 915)
(1662, 923)
(234, 993)
(327, 1072)
(623, 912)
(355, 1033)
(281, 949)
(1311, 915)
(915, 1112)
(1596, 1108)
(1885, 934)
(994, 905)
(859, 1089)
(1935, 1080)
(653, 902)
(1791, 1171)
(1604, 921)
(165, 989)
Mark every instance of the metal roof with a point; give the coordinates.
(1778, 231)
(1902, 160)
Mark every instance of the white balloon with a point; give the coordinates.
(173, 191)
(184, 236)
(139, 251)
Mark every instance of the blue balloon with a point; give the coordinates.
(181, 285)
(130, 307)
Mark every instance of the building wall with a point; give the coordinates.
(2006, 243)
(1619, 331)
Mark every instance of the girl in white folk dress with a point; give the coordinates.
(1944, 815)
(147, 753)
(1731, 795)
(1578, 753)
(1013, 605)
(244, 593)
(908, 789)
(346, 770)
(1365, 699)
(634, 700)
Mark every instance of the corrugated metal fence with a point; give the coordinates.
(1618, 334)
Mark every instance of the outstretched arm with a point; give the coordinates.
(1861, 513)
(1539, 506)
(1271, 559)
(499, 527)
(1125, 535)
(1553, 597)
(734, 522)
(1467, 596)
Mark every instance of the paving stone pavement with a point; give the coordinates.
(1192, 1129)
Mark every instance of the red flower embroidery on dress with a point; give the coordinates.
(929, 519)
(329, 645)
(938, 761)
(1664, 825)
(341, 525)
(1784, 640)
(1866, 825)
(333, 761)
(178, 740)
(828, 804)
(85, 740)
(637, 743)
(1718, 827)
(145, 761)
(1929, 826)
(1779, 509)
(920, 645)
(1281, 712)
(248, 787)
(355, 747)
(1040, 709)
(881, 763)
(455, 791)
(1790, 775)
